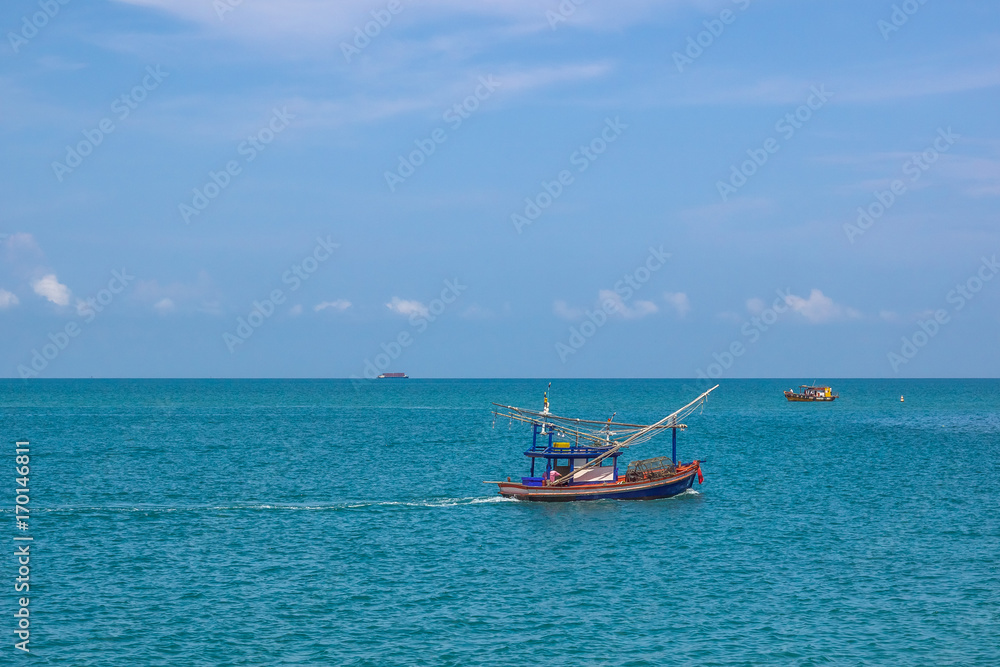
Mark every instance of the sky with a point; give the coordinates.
(503, 188)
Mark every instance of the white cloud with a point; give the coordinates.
(19, 240)
(164, 306)
(564, 311)
(322, 19)
(608, 301)
(49, 287)
(7, 299)
(680, 302)
(406, 307)
(340, 305)
(21, 253)
(541, 77)
(424, 97)
(820, 308)
(637, 310)
(295, 310)
(881, 81)
(755, 306)
(888, 315)
(200, 295)
(980, 175)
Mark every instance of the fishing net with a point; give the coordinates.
(648, 469)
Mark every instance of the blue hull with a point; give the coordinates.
(636, 491)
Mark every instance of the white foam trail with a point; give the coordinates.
(440, 502)
(347, 505)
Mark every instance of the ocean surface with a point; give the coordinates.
(216, 522)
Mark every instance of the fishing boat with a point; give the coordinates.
(811, 393)
(580, 457)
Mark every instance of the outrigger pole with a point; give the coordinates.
(643, 435)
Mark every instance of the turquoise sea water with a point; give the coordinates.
(315, 523)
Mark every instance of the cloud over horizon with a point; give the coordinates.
(49, 287)
(7, 299)
(819, 308)
(407, 307)
(339, 305)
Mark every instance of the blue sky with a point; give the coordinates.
(510, 188)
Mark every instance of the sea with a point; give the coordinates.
(325, 522)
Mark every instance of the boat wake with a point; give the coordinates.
(346, 505)
(440, 502)
(330, 507)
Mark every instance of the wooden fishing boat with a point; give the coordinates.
(811, 393)
(580, 457)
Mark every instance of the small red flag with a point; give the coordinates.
(700, 478)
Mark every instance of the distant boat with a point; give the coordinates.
(581, 458)
(393, 376)
(809, 393)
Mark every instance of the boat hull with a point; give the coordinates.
(799, 398)
(660, 488)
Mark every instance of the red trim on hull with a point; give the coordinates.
(598, 491)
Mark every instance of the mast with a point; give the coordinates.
(673, 455)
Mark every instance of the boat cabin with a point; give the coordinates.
(551, 459)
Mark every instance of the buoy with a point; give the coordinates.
(901, 399)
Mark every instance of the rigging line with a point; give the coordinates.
(552, 419)
(576, 420)
(638, 438)
(596, 436)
